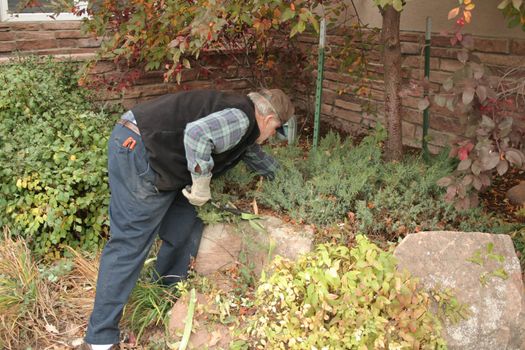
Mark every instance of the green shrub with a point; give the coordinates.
(339, 181)
(341, 298)
(406, 198)
(236, 183)
(53, 150)
(324, 187)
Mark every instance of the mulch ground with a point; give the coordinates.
(494, 199)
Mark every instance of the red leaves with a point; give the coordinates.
(463, 152)
(464, 164)
(177, 41)
(481, 91)
(112, 82)
(515, 157)
(502, 167)
(451, 193)
(33, 3)
(464, 11)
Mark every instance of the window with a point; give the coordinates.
(8, 12)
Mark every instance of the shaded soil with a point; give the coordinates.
(494, 199)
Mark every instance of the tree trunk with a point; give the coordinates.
(392, 66)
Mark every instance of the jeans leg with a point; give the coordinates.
(181, 232)
(136, 211)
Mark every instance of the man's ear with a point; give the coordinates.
(268, 119)
(276, 118)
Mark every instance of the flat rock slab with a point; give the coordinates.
(497, 305)
(206, 333)
(266, 238)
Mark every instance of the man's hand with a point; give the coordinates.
(199, 192)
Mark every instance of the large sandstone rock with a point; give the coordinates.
(266, 238)
(254, 243)
(440, 259)
(219, 249)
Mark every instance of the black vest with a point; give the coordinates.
(162, 122)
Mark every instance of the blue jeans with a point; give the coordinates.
(137, 212)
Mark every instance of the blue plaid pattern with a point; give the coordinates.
(217, 133)
(260, 162)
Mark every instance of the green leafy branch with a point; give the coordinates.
(481, 257)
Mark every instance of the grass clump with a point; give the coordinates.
(42, 305)
(45, 305)
(149, 306)
(22, 293)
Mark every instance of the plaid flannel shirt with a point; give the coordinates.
(217, 133)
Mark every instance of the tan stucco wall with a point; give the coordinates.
(487, 20)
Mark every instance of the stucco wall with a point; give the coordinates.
(487, 20)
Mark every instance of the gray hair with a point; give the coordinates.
(262, 104)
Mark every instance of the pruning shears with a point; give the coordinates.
(230, 208)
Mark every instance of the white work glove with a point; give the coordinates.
(199, 192)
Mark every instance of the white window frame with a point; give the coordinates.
(5, 16)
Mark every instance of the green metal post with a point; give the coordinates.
(426, 112)
(319, 86)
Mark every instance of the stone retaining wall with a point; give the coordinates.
(64, 40)
(45, 38)
(341, 107)
(344, 109)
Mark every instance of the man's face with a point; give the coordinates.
(267, 127)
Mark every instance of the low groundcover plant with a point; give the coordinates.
(343, 298)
